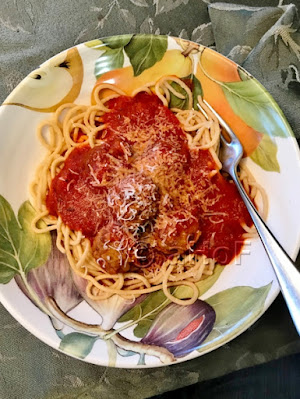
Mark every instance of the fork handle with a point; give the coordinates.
(285, 269)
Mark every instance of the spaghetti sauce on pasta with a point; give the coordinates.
(142, 195)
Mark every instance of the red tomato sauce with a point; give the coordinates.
(222, 233)
(127, 191)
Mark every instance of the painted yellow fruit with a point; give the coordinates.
(56, 82)
(173, 63)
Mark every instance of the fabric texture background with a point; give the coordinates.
(266, 41)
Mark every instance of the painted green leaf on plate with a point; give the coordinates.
(115, 42)
(113, 55)
(183, 292)
(250, 101)
(236, 308)
(197, 91)
(77, 344)
(175, 101)
(10, 238)
(243, 74)
(34, 248)
(144, 52)
(145, 312)
(95, 44)
(183, 103)
(265, 155)
(20, 248)
(109, 60)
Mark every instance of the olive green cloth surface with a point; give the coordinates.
(265, 39)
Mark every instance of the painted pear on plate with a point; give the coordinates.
(56, 82)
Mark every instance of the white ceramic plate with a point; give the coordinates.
(238, 293)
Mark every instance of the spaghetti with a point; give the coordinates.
(136, 187)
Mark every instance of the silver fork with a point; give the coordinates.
(285, 269)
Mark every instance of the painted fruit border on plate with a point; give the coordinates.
(150, 331)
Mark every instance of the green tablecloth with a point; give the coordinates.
(266, 40)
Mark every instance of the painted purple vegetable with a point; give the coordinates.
(110, 309)
(53, 279)
(181, 329)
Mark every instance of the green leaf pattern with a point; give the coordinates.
(116, 42)
(143, 52)
(20, 248)
(110, 59)
(250, 102)
(10, 237)
(34, 248)
(183, 292)
(197, 91)
(182, 103)
(77, 344)
(236, 308)
(265, 155)
(176, 102)
(145, 312)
